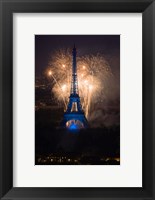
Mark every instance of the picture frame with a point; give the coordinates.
(7, 8)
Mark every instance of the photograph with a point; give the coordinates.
(77, 100)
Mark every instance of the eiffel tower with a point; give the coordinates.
(74, 117)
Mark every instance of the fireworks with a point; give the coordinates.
(93, 73)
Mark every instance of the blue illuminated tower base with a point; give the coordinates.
(74, 121)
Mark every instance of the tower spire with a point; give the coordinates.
(74, 84)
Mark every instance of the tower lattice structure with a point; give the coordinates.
(74, 116)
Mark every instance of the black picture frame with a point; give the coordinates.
(7, 8)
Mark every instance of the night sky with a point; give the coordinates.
(109, 45)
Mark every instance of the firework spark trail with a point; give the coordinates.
(93, 73)
(58, 85)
